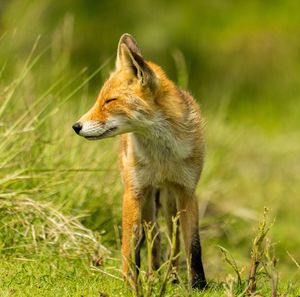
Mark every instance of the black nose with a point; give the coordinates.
(77, 127)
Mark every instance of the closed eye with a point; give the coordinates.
(110, 100)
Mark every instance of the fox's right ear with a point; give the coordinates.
(127, 40)
(129, 55)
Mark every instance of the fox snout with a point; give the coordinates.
(93, 130)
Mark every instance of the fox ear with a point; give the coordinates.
(131, 44)
(129, 55)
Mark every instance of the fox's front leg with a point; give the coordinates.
(131, 226)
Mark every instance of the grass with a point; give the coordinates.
(54, 275)
(60, 196)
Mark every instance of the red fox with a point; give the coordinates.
(161, 151)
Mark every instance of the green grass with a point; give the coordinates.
(60, 196)
(54, 275)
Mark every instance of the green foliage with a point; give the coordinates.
(247, 51)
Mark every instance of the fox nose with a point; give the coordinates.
(77, 127)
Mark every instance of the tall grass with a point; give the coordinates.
(34, 166)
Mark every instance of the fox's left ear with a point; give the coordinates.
(129, 55)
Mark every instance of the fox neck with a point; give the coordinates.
(160, 140)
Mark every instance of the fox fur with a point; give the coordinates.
(161, 151)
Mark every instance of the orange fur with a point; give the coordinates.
(161, 148)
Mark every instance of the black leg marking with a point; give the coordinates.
(156, 247)
(156, 251)
(198, 276)
(138, 252)
(157, 201)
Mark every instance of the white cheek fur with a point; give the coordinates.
(91, 129)
(95, 129)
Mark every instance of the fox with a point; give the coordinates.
(161, 153)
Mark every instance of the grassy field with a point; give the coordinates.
(60, 196)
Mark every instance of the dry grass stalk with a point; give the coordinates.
(150, 240)
(35, 224)
(257, 252)
(269, 265)
(172, 256)
(294, 260)
(230, 260)
(150, 283)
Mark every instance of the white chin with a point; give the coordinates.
(108, 133)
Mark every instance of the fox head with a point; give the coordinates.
(126, 101)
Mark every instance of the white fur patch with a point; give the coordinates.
(162, 156)
(160, 142)
(92, 129)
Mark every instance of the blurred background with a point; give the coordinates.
(241, 61)
(244, 52)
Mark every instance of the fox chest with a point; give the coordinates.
(156, 174)
(159, 162)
